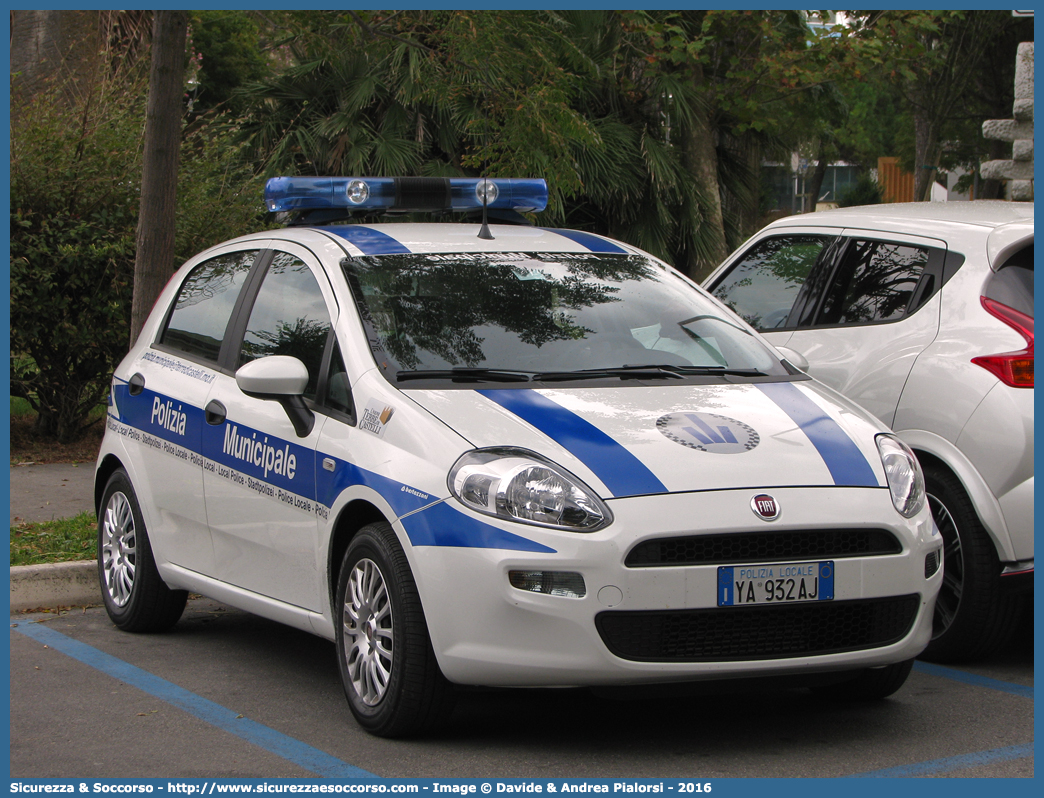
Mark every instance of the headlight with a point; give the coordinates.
(523, 486)
(903, 472)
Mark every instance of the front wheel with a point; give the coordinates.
(388, 669)
(973, 615)
(135, 596)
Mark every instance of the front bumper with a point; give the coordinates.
(486, 632)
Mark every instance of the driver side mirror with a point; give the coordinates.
(279, 378)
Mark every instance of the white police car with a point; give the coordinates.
(500, 455)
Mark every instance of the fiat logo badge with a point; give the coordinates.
(764, 506)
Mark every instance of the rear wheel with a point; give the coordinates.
(388, 669)
(973, 614)
(136, 598)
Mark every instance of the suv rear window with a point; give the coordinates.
(875, 282)
(1012, 285)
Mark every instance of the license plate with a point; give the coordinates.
(782, 583)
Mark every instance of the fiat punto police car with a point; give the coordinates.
(488, 453)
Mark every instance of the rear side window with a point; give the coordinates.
(1012, 285)
(762, 286)
(197, 323)
(874, 282)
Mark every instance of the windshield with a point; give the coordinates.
(545, 316)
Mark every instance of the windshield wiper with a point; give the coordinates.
(645, 372)
(465, 375)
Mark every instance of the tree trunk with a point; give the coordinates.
(154, 258)
(750, 207)
(701, 160)
(815, 183)
(47, 46)
(926, 147)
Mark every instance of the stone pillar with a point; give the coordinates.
(1019, 131)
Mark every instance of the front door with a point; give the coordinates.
(260, 477)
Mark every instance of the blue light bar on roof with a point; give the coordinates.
(405, 193)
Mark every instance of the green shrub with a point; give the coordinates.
(75, 176)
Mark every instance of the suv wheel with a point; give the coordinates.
(136, 598)
(388, 669)
(973, 615)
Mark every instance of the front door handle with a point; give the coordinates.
(215, 413)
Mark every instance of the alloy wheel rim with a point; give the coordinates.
(119, 549)
(368, 632)
(949, 599)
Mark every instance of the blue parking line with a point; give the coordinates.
(307, 757)
(950, 764)
(965, 761)
(970, 678)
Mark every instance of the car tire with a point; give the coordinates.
(973, 613)
(136, 598)
(388, 668)
(871, 684)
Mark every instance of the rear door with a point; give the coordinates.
(859, 305)
(877, 311)
(161, 405)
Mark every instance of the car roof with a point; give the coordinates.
(983, 213)
(447, 238)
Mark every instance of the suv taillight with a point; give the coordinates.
(1012, 368)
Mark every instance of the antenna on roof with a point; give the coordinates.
(484, 190)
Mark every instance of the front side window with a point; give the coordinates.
(201, 312)
(543, 315)
(289, 317)
(874, 282)
(764, 284)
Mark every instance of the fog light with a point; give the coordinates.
(551, 583)
(931, 563)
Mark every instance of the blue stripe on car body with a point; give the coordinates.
(428, 520)
(443, 525)
(589, 240)
(370, 241)
(843, 458)
(622, 472)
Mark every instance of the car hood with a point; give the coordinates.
(641, 440)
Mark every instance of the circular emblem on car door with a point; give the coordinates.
(708, 432)
(765, 507)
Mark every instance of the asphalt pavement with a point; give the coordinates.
(46, 492)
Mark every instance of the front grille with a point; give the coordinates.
(748, 633)
(770, 546)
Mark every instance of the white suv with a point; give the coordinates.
(923, 314)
